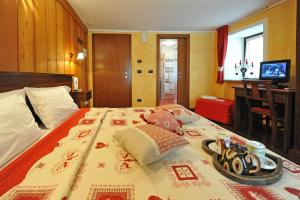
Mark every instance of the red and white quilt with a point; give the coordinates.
(109, 172)
(91, 165)
(51, 175)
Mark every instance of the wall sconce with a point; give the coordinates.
(85, 52)
(80, 56)
(71, 56)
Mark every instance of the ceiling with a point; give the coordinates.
(164, 15)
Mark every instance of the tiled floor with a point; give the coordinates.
(168, 99)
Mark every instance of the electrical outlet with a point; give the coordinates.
(139, 100)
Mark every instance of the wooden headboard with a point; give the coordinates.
(17, 80)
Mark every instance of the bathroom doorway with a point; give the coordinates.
(173, 69)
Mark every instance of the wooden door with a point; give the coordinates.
(182, 81)
(112, 70)
(183, 67)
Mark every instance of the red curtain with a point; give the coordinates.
(222, 50)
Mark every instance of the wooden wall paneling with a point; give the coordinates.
(39, 36)
(67, 41)
(76, 46)
(65, 4)
(79, 66)
(9, 35)
(72, 44)
(80, 62)
(26, 52)
(41, 53)
(86, 60)
(83, 62)
(84, 65)
(60, 55)
(51, 36)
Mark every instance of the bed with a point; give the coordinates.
(12, 81)
(80, 159)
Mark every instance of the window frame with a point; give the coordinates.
(249, 37)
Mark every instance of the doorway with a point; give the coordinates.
(112, 70)
(173, 69)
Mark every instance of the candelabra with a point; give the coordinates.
(243, 68)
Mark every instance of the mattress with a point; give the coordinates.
(92, 165)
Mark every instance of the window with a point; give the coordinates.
(254, 53)
(246, 45)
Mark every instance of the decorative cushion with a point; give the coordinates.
(53, 104)
(260, 110)
(163, 119)
(149, 143)
(181, 113)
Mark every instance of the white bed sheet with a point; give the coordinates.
(45, 132)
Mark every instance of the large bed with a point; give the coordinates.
(80, 159)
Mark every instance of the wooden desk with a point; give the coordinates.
(281, 96)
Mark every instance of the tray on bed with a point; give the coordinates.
(205, 147)
(264, 177)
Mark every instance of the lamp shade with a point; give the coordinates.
(80, 56)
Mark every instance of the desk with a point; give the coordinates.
(281, 96)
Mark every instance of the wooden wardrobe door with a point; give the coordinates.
(182, 81)
(112, 70)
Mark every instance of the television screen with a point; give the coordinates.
(275, 70)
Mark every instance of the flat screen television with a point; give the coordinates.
(278, 71)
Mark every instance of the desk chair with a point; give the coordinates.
(259, 105)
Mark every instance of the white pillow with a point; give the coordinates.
(149, 143)
(208, 97)
(53, 105)
(18, 128)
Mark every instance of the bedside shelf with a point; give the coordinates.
(82, 98)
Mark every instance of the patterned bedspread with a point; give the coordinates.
(90, 164)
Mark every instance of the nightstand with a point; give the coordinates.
(82, 97)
